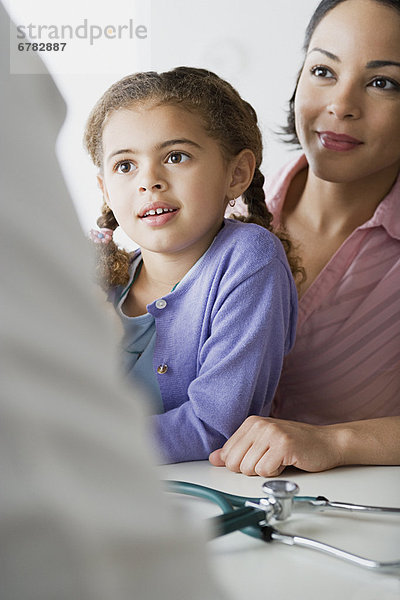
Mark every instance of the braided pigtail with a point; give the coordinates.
(112, 265)
(254, 198)
(258, 213)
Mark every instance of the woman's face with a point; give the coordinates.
(347, 105)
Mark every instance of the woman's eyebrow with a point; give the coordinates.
(328, 54)
(374, 64)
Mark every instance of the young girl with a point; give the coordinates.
(208, 304)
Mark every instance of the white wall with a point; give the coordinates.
(255, 44)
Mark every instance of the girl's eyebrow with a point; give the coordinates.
(123, 151)
(178, 141)
(157, 147)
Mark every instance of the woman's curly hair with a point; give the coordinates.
(226, 117)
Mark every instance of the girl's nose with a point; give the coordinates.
(151, 181)
(343, 102)
(152, 187)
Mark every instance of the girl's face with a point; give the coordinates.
(166, 181)
(347, 105)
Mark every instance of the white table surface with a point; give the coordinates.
(249, 568)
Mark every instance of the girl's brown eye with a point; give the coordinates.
(177, 157)
(125, 167)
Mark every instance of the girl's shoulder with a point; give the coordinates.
(249, 237)
(245, 248)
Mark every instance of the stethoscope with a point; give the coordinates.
(253, 516)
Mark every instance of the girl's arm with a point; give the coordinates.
(265, 446)
(240, 364)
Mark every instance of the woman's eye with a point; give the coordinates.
(125, 166)
(382, 83)
(321, 72)
(177, 157)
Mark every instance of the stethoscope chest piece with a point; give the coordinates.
(281, 493)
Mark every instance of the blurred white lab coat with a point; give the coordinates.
(82, 514)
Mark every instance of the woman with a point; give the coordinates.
(338, 399)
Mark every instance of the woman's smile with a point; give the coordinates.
(338, 142)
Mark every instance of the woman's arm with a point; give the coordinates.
(265, 446)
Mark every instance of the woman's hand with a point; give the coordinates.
(264, 446)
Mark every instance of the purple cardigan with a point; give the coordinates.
(221, 336)
(220, 342)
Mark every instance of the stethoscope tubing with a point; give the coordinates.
(235, 515)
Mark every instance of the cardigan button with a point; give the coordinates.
(162, 369)
(161, 303)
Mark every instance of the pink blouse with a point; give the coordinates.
(345, 364)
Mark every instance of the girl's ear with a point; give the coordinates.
(102, 186)
(242, 169)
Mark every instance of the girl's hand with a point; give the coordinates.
(265, 446)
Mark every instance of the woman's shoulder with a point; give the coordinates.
(277, 186)
(286, 172)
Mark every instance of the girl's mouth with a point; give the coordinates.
(158, 215)
(157, 211)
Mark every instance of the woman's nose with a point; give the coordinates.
(343, 102)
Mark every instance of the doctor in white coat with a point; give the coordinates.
(80, 510)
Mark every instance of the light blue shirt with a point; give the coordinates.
(138, 347)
